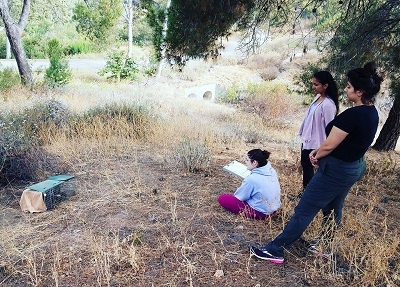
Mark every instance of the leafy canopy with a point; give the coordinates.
(96, 18)
(194, 26)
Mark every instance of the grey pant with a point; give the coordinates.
(326, 191)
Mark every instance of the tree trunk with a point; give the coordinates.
(8, 48)
(163, 46)
(130, 34)
(14, 34)
(390, 132)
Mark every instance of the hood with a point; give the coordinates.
(265, 170)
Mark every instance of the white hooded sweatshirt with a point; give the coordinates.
(261, 190)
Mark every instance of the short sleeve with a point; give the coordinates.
(344, 121)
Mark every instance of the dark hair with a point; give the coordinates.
(261, 156)
(367, 80)
(324, 77)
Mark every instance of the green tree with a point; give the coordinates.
(369, 31)
(59, 73)
(155, 18)
(120, 67)
(95, 19)
(194, 26)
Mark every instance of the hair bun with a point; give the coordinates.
(370, 68)
(266, 154)
(375, 79)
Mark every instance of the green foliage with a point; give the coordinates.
(2, 48)
(141, 33)
(193, 156)
(155, 18)
(35, 38)
(59, 73)
(97, 18)
(78, 47)
(232, 95)
(34, 47)
(120, 67)
(9, 78)
(366, 33)
(150, 66)
(194, 26)
(303, 81)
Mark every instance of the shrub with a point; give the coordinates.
(8, 78)
(232, 95)
(21, 135)
(79, 47)
(116, 119)
(120, 67)
(150, 66)
(271, 101)
(59, 73)
(34, 48)
(269, 74)
(193, 156)
(2, 48)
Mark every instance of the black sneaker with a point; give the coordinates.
(262, 253)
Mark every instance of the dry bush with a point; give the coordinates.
(271, 101)
(193, 155)
(263, 61)
(23, 132)
(227, 61)
(269, 74)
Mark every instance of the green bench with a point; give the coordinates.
(50, 189)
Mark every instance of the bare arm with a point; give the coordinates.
(336, 136)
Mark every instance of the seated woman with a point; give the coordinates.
(259, 195)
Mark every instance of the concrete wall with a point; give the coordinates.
(206, 92)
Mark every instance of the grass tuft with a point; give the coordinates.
(193, 156)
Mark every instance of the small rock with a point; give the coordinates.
(219, 273)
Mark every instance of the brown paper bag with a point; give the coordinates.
(32, 201)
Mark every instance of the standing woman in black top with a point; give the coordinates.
(340, 161)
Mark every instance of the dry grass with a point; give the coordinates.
(138, 218)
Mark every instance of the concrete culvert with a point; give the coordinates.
(207, 95)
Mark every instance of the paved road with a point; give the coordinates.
(75, 64)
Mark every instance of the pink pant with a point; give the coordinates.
(231, 203)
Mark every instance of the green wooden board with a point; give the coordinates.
(45, 185)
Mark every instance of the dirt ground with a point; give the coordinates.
(135, 219)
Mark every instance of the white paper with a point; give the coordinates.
(237, 168)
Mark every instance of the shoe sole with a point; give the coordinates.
(272, 260)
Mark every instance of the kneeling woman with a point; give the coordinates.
(259, 195)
